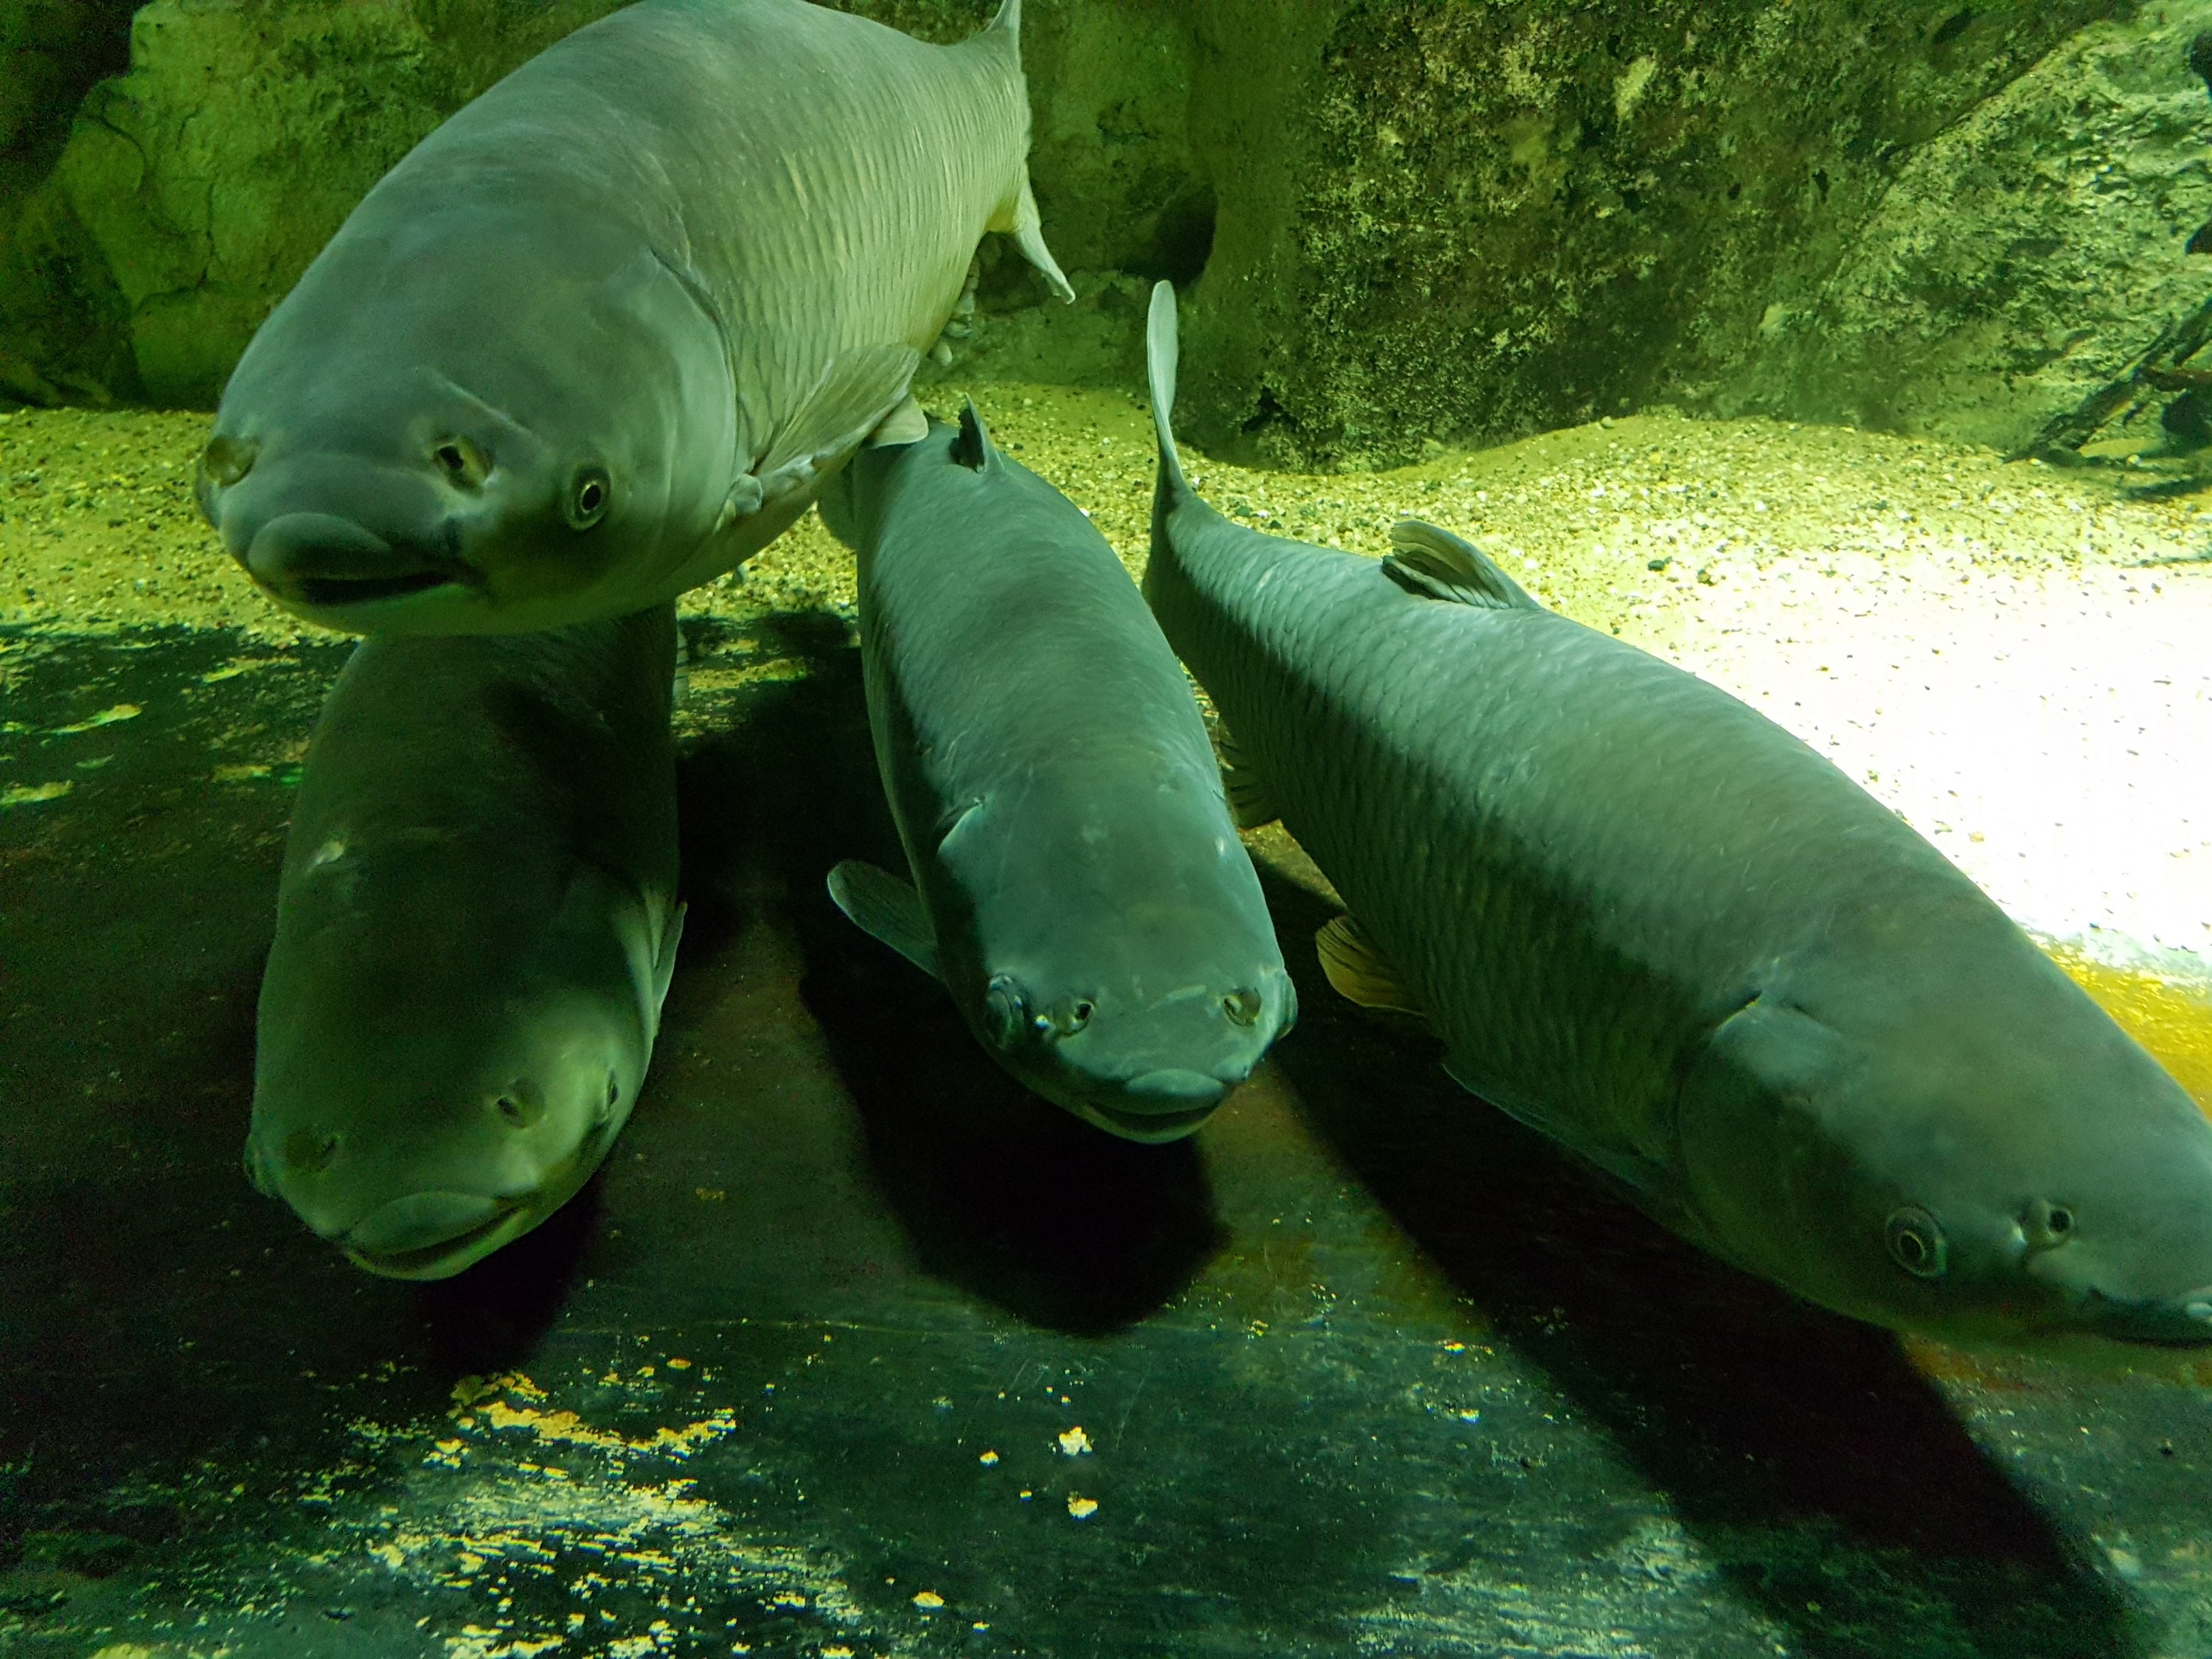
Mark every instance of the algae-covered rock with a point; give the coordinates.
(203, 181)
(54, 290)
(1406, 221)
(2023, 258)
(1446, 220)
(244, 133)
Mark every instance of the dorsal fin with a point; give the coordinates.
(972, 446)
(1435, 564)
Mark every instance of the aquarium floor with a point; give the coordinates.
(855, 1350)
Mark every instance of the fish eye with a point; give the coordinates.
(1243, 1006)
(463, 462)
(226, 460)
(519, 1106)
(1004, 1011)
(589, 492)
(1916, 1243)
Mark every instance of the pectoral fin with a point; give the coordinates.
(906, 424)
(1250, 804)
(663, 964)
(1029, 237)
(887, 909)
(1435, 564)
(1359, 972)
(858, 393)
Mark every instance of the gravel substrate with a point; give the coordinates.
(2018, 659)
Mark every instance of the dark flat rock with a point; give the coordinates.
(1363, 1368)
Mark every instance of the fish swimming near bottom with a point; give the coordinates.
(1082, 890)
(1652, 924)
(475, 932)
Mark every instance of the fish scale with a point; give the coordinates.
(1413, 824)
(1078, 885)
(1648, 921)
(647, 293)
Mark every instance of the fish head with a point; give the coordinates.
(1978, 1162)
(1125, 966)
(419, 442)
(421, 1114)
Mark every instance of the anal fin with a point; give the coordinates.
(887, 909)
(1249, 803)
(1359, 972)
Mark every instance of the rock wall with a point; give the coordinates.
(1455, 221)
(51, 285)
(2023, 258)
(1400, 222)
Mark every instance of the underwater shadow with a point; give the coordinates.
(1000, 1193)
(1809, 1460)
(493, 1315)
(160, 1319)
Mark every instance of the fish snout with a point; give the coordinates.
(320, 559)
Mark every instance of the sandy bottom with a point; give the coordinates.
(2017, 658)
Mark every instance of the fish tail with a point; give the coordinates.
(1162, 351)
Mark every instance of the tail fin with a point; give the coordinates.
(1163, 350)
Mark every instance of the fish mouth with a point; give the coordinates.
(321, 562)
(344, 592)
(442, 1257)
(2182, 1322)
(1153, 1129)
(1189, 1098)
(1197, 1097)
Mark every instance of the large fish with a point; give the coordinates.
(1657, 926)
(600, 336)
(475, 931)
(1082, 891)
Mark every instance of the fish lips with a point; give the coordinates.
(1157, 1106)
(434, 1235)
(317, 563)
(2179, 1322)
(305, 542)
